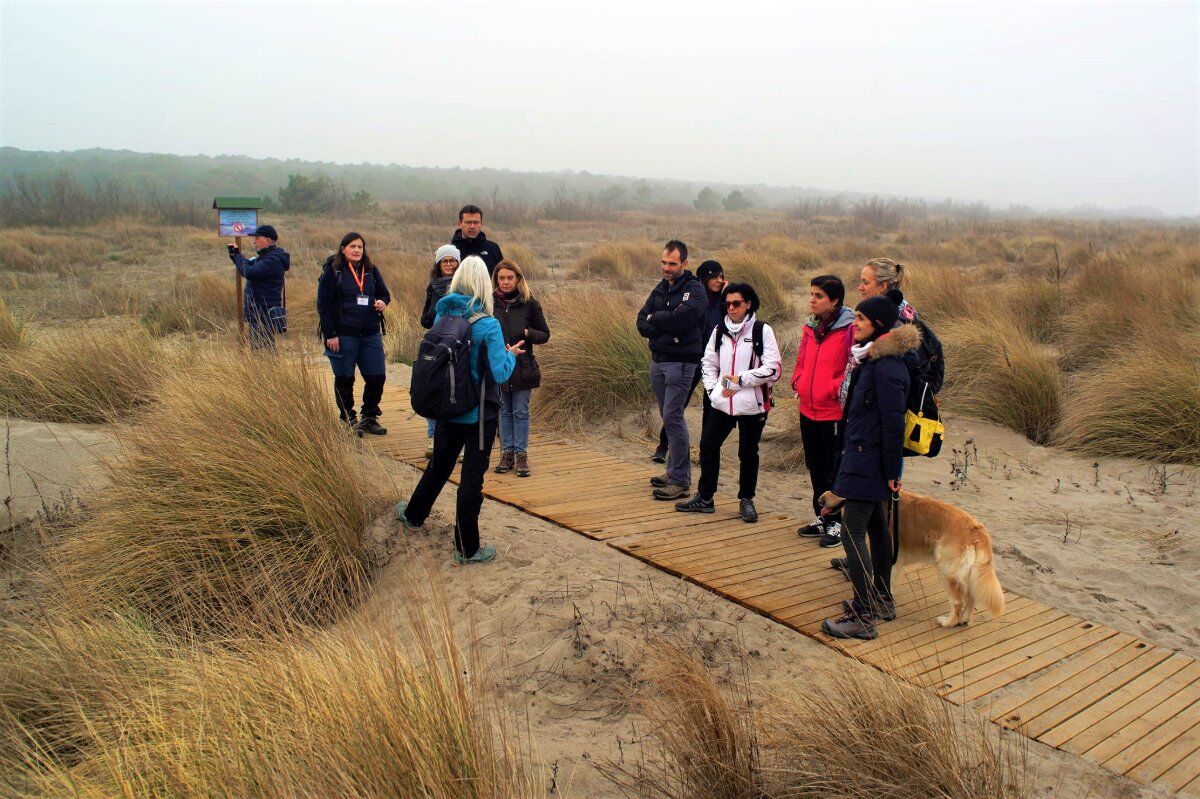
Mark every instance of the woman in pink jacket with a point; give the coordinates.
(817, 380)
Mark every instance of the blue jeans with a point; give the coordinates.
(429, 425)
(514, 420)
(365, 352)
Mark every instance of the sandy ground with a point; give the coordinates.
(563, 622)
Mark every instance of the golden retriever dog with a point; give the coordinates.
(932, 531)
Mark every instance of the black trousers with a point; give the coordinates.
(449, 439)
(662, 431)
(717, 427)
(870, 571)
(343, 393)
(822, 443)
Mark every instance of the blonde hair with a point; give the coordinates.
(522, 284)
(888, 271)
(471, 280)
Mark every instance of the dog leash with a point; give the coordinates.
(894, 523)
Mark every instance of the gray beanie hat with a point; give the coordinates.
(447, 251)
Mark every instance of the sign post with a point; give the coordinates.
(237, 217)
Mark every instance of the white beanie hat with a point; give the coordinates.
(446, 251)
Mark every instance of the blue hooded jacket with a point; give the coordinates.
(485, 333)
(264, 279)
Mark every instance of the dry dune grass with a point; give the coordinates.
(13, 335)
(800, 256)
(236, 488)
(100, 707)
(599, 362)
(193, 304)
(82, 375)
(623, 265)
(774, 282)
(528, 260)
(872, 738)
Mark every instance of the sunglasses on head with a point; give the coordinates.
(734, 303)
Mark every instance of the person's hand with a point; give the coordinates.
(730, 391)
(894, 485)
(332, 344)
(380, 305)
(515, 349)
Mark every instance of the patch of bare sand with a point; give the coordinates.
(563, 621)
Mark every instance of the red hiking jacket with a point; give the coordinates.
(820, 367)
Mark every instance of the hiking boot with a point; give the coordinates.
(747, 510)
(522, 465)
(401, 507)
(697, 504)
(671, 491)
(851, 625)
(350, 421)
(833, 535)
(658, 481)
(371, 425)
(482, 555)
(814, 529)
(429, 448)
(506, 462)
(660, 454)
(887, 609)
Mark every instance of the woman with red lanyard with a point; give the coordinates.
(351, 296)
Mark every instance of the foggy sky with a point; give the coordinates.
(1050, 104)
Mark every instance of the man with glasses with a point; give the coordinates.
(673, 320)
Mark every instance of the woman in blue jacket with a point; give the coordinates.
(871, 462)
(470, 295)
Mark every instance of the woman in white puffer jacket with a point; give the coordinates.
(741, 363)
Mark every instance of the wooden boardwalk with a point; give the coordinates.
(1125, 703)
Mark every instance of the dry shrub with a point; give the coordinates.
(942, 294)
(35, 250)
(879, 738)
(873, 738)
(81, 375)
(596, 365)
(1142, 402)
(111, 708)
(237, 488)
(999, 373)
(13, 335)
(763, 272)
(623, 265)
(528, 260)
(802, 257)
(203, 303)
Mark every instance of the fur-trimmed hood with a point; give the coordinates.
(900, 341)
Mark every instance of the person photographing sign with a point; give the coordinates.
(351, 298)
(263, 295)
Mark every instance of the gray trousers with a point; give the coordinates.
(672, 383)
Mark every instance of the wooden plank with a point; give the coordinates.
(1140, 718)
(1182, 774)
(940, 645)
(1099, 717)
(1166, 722)
(1183, 734)
(1069, 678)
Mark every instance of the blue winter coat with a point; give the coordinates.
(264, 279)
(485, 333)
(873, 427)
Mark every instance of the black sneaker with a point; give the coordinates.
(660, 455)
(747, 511)
(371, 425)
(814, 529)
(851, 625)
(887, 610)
(833, 535)
(697, 504)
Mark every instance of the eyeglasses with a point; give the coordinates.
(734, 303)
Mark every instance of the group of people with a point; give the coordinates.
(852, 377)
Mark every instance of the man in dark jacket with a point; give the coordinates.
(471, 240)
(712, 275)
(673, 321)
(262, 297)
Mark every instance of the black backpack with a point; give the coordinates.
(756, 344)
(441, 386)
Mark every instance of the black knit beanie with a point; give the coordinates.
(883, 313)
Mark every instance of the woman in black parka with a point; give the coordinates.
(882, 359)
(521, 319)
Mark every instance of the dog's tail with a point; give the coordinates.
(985, 586)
